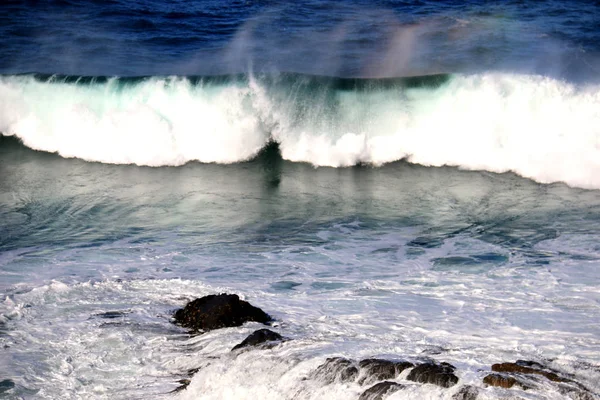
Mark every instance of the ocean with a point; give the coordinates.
(407, 181)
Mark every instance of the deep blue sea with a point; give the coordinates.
(406, 180)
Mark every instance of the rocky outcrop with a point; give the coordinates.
(218, 311)
(227, 310)
(380, 390)
(261, 337)
(437, 374)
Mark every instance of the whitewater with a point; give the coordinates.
(541, 128)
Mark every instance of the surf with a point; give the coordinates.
(539, 127)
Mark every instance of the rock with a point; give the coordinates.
(6, 385)
(373, 369)
(259, 337)
(528, 368)
(499, 380)
(466, 393)
(437, 374)
(336, 369)
(218, 311)
(183, 384)
(533, 371)
(380, 390)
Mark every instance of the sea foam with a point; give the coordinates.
(538, 127)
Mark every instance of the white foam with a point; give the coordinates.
(156, 122)
(538, 127)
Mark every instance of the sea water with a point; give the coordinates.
(403, 181)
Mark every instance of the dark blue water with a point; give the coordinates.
(322, 37)
(403, 180)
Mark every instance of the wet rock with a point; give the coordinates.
(528, 368)
(380, 390)
(437, 374)
(373, 369)
(336, 369)
(259, 337)
(218, 311)
(510, 374)
(183, 384)
(466, 393)
(6, 385)
(499, 380)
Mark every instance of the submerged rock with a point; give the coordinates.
(437, 374)
(380, 390)
(218, 311)
(259, 337)
(576, 393)
(373, 369)
(336, 369)
(466, 393)
(510, 374)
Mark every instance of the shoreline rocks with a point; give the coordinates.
(380, 375)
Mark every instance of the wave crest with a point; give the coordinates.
(538, 127)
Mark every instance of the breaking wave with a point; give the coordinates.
(538, 127)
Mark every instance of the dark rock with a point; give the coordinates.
(466, 393)
(380, 390)
(499, 380)
(259, 337)
(112, 314)
(373, 369)
(6, 385)
(437, 374)
(183, 384)
(218, 311)
(532, 368)
(336, 369)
